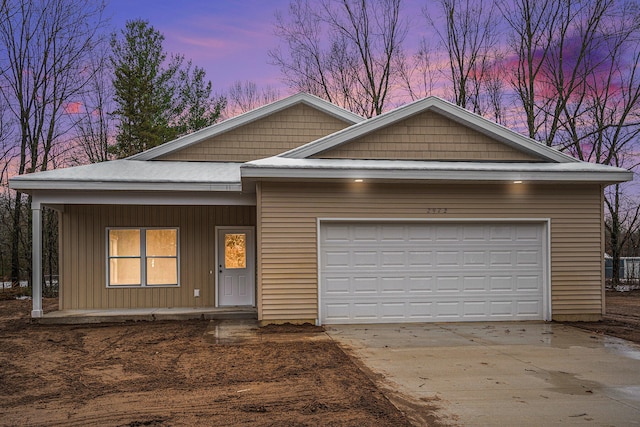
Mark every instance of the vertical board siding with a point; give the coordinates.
(83, 256)
(427, 136)
(287, 233)
(266, 137)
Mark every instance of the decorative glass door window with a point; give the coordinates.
(142, 257)
(235, 251)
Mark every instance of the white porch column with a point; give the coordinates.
(36, 261)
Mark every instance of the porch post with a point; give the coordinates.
(36, 261)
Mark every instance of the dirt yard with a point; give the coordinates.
(167, 374)
(622, 319)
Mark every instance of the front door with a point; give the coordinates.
(236, 273)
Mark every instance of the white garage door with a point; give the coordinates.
(430, 272)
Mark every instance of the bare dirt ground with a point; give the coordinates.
(167, 374)
(622, 319)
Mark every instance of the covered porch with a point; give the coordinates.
(190, 203)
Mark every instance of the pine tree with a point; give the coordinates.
(197, 107)
(144, 91)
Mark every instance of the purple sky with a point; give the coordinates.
(228, 38)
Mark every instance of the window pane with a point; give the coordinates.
(162, 242)
(235, 250)
(124, 242)
(124, 271)
(162, 271)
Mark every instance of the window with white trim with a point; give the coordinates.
(142, 257)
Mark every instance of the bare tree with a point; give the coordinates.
(245, 96)
(94, 127)
(532, 24)
(6, 133)
(577, 79)
(44, 47)
(418, 73)
(609, 125)
(469, 38)
(345, 51)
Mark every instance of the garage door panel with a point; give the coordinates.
(422, 234)
(362, 259)
(474, 309)
(430, 272)
(420, 259)
(335, 233)
(335, 259)
(447, 259)
(448, 284)
(365, 233)
(392, 259)
(393, 233)
(337, 285)
(365, 285)
(447, 233)
(475, 283)
(528, 283)
(420, 285)
(525, 258)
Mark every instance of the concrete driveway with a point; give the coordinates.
(501, 374)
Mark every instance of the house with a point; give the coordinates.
(310, 213)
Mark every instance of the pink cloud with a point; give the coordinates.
(73, 107)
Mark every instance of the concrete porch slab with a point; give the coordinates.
(146, 314)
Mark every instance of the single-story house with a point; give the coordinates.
(310, 213)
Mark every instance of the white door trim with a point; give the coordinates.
(546, 245)
(251, 257)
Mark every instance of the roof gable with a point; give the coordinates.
(499, 134)
(326, 116)
(427, 136)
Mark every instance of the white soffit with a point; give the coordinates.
(288, 168)
(136, 175)
(246, 118)
(440, 106)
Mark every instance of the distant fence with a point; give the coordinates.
(50, 287)
(629, 272)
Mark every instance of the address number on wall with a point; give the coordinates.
(436, 210)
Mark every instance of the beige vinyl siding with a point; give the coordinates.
(288, 231)
(427, 136)
(266, 137)
(83, 255)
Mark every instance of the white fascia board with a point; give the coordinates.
(27, 185)
(244, 119)
(437, 175)
(182, 198)
(458, 114)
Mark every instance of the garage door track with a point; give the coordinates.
(495, 374)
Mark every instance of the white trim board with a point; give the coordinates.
(143, 198)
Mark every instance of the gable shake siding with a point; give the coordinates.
(427, 136)
(266, 137)
(83, 253)
(287, 232)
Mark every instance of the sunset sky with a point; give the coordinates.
(228, 38)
